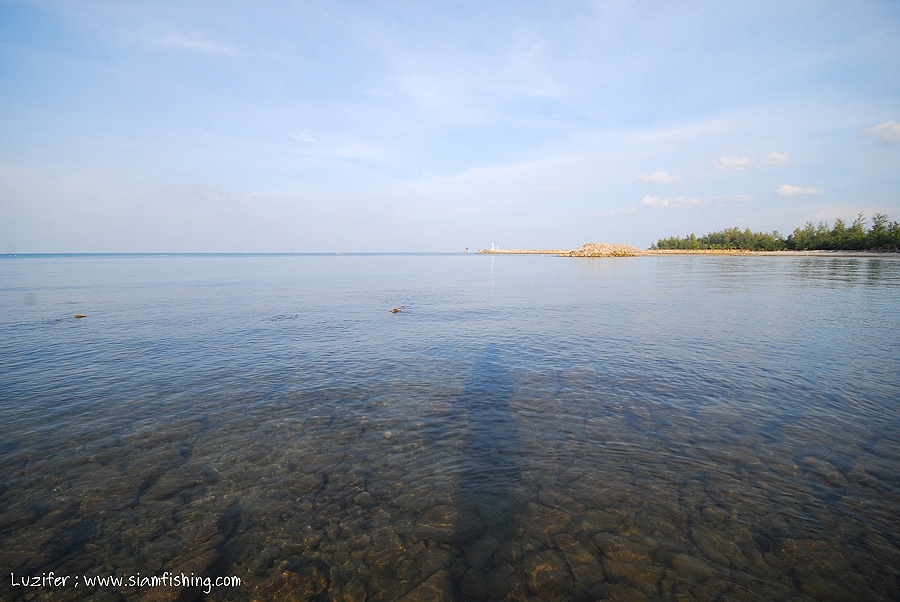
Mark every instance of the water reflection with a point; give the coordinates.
(840, 271)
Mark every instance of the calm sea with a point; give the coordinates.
(524, 428)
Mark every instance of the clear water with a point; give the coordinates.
(525, 428)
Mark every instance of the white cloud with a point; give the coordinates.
(680, 201)
(775, 159)
(659, 177)
(790, 190)
(196, 42)
(889, 131)
(303, 136)
(548, 189)
(733, 163)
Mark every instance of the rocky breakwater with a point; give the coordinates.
(594, 249)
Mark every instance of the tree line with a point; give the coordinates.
(882, 235)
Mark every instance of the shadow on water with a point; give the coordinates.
(489, 476)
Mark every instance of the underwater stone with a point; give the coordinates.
(315, 579)
(437, 522)
(498, 588)
(387, 549)
(719, 548)
(516, 583)
(820, 569)
(692, 569)
(712, 590)
(181, 483)
(620, 592)
(587, 575)
(601, 521)
(543, 522)
(585, 567)
(18, 515)
(437, 557)
(306, 484)
(548, 575)
(629, 562)
(479, 554)
(444, 523)
(572, 549)
(364, 499)
(474, 585)
(558, 498)
(353, 591)
(266, 559)
(824, 469)
(437, 588)
(293, 584)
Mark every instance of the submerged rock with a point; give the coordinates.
(436, 588)
(631, 562)
(548, 575)
(479, 554)
(294, 583)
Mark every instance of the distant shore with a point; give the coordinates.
(815, 253)
(598, 250)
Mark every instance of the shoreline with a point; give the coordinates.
(812, 253)
(722, 252)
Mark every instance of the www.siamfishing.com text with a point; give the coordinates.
(51, 579)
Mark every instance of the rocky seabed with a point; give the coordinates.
(623, 504)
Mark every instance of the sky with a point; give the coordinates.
(330, 126)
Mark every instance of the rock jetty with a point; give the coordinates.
(595, 249)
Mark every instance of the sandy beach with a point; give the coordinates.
(884, 254)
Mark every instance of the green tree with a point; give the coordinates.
(878, 233)
(839, 234)
(883, 235)
(856, 238)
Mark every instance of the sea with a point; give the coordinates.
(266, 427)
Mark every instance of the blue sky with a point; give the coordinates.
(439, 126)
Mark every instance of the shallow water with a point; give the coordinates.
(525, 428)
